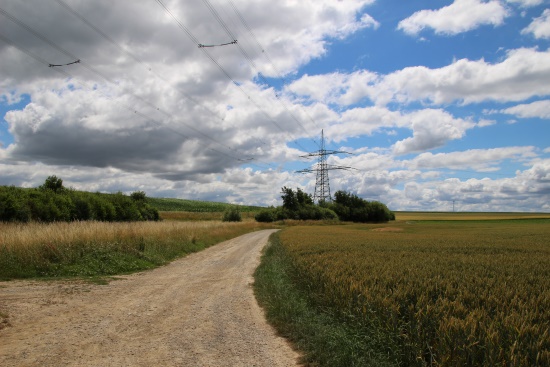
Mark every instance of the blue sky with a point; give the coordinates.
(439, 101)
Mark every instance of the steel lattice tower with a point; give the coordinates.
(322, 184)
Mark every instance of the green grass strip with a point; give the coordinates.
(323, 338)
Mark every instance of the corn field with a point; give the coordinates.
(448, 293)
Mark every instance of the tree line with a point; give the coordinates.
(52, 202)
(345, 206)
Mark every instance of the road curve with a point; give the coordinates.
(197, 311)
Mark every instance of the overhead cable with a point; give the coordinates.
(60, 49)
(238, 85)
(70, 63)
(93, 88)
(253, 63)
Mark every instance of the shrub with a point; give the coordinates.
(51, 202)
(350, 207)
(232, 215)
(265, 216)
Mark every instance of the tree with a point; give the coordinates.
(294, 200)
(138, 196)
(351, 207)
(289, 198)
(54, 184)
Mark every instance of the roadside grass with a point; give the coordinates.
(324, 338)
(91, 249)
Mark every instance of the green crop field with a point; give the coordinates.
(182, 205)
(441, 293)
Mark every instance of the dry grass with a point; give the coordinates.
(90, 248)
(21, 236)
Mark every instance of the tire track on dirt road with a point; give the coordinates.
(196, 311)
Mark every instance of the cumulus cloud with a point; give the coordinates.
(335, 88)
(379, 178)
(461, 16)
(480, 159)
(522, 74)
(539, 27)
(431, 129)
(526, 3)
(540, 109)
(142, 85)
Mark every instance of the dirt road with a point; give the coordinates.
(196, 311)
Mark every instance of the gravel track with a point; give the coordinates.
(197, 311)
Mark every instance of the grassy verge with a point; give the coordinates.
(324, 338)
(87, 249)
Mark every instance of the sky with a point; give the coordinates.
(439, 105)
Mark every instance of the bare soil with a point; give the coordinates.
(197, 311)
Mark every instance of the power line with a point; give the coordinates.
(67, 64)
(150, 69)
(67, 53)
(92, 88)
(252, 63)
(266, 54)
(238, 85)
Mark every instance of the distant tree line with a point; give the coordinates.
(345, 206)
(52, 202)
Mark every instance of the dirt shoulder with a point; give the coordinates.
(196, 311)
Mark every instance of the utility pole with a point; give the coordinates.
(322, 184)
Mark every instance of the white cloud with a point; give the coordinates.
(485, 123)
(478, 159)
(526, 3)
(338, 88)
(524, 73)
(379, 177)
(461, 16)
(431, 129)
(128, 106)
(540, 27)
(539, 109)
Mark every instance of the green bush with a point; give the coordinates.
(52, 202)
(350, 207)
(265, 216)
(232, 215)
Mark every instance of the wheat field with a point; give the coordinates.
(449, 293)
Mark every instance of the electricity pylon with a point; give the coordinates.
(322, 184)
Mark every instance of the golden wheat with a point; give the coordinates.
(453, 293)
